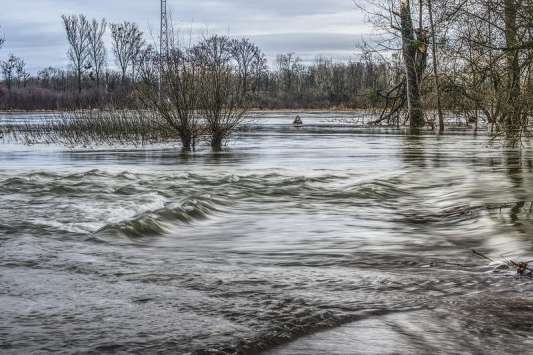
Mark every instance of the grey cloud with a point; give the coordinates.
(306, 27)
(280, 8)
(26, 36)
(307, 42)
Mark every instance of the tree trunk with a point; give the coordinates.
(186, 142)
(436, 67)
(123, 78)
(409, 50)
(79, 81)
(513, 117)
(216, 141)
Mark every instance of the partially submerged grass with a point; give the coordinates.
(86, 128)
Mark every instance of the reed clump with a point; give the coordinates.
(86, 128)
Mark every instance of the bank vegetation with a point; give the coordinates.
(431, 59)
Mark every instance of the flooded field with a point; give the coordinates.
(324, 239)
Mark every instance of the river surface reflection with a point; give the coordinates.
(321, 240)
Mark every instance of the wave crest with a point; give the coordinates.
(163, 220)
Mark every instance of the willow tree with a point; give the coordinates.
(177, 104)
(224, 98)
(219, 90)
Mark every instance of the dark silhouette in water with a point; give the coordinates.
(298, 121)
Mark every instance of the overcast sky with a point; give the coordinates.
(33, 28)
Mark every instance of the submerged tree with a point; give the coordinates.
(490, 48)
(223, 96)
(411, 46)
(396, 19)
(434, 56)
(77, 29)
(205, 89)
(177, 103)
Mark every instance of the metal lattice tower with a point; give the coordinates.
(163, 43)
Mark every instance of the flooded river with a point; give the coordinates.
(323, 239)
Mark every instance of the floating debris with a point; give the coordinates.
(522, 268)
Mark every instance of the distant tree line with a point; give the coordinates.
(324, 83)
(90, 81)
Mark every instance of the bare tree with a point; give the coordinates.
(21, 73)
(14, 71)
(9, 70)
(97, 51)
(177, 105)
(149, 65)
(250, 60)
(127, 42)
(136, 51)
(222, 102)
(77, 29)
(491, 45)
(407, 45)
(412, 73)
(289, 66)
